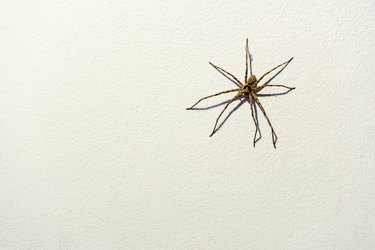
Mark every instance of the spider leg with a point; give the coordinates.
(278, 66)
(223, 92)
(279, 85)
(274, 85)
(226, 106)
(255, 122)
(274, 136)
(247, 53)
(223, 70)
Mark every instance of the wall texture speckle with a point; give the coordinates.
(97, 150)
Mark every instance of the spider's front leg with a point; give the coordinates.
(274, 136)
(252, 107)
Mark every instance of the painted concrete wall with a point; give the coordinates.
(97, 150)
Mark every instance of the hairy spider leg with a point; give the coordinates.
(248, 57)
(223, 92)
(255, 121)
(247, 52)
(273, 85)
(280, 85)
(274, 136)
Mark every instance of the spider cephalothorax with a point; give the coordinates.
(252, 81)
(250, 89)
(250, 86)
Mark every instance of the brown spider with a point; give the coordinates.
(250, 89)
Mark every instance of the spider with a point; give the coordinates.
(248, 89)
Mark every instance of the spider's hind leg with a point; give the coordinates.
(256, 123)
(274, 136)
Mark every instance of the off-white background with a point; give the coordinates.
(97, 150)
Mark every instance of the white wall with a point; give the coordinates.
(97, 150)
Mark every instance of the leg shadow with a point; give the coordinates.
(212, 106)
(278, 72)
(242, 101)
(257, 122)
(234, 82)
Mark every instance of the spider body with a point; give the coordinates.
(250, 89)
(252, 81)
(250, 86)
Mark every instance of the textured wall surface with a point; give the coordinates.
(97, 150)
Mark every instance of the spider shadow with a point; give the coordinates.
(212, 106)
(242, 101)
